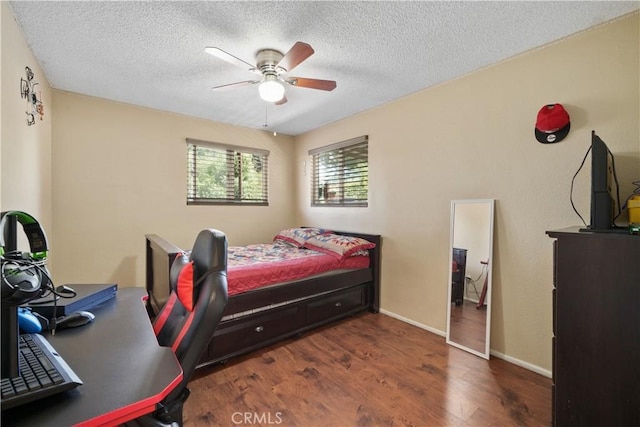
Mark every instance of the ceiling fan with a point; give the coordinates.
(273, 65)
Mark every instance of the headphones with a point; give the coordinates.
(24, 275)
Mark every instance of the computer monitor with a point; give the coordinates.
(602, 177)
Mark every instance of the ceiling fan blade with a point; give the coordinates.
(298, 53)
(312, 83)
(219, 53)
(237, 84)
(282, 101)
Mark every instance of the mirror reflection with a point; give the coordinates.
(469, 302)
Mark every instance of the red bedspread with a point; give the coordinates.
(253, 266)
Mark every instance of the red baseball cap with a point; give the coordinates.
(552, 124)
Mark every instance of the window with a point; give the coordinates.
(226, 174)
(341, 174)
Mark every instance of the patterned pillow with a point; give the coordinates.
(361, 252)
(338, 246)
(297, 236)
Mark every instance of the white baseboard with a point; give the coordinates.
(526, 365)
(414, 323)
(505, 357)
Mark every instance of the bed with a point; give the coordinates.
(287, 304)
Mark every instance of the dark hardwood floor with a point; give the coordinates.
(468, 325)
(369, 370)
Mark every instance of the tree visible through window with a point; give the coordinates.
(226, 174)
(341, 174)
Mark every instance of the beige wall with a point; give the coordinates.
(119, 172)
(25, 151)
(473, 138)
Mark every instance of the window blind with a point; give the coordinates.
(226, 174)
(341, 173)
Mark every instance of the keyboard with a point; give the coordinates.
(43, 373)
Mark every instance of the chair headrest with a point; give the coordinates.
(209, 254)
(209, 251)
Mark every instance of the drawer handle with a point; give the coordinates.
(259, 329)
(338, 304)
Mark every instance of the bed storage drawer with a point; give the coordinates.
(342, 303)
(255, 330)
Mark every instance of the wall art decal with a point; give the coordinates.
(34, 100)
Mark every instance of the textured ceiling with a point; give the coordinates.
(152, 53)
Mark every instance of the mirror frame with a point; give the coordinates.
(486, 353)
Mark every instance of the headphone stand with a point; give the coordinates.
(9, 327)
(9, 336)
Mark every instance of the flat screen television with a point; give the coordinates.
(603, 205)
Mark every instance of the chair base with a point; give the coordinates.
(167, 414)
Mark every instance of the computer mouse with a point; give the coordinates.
(75, 319)
(28, 322)
(65, 290)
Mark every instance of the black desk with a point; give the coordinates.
(124, 370)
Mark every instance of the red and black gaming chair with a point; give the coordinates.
(190, 316)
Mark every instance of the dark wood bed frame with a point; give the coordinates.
(264, 316)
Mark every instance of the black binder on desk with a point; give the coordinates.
(87, 296)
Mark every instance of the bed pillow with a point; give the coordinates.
(182, 279)
(361, 252)
(297, 236)
(337, 245)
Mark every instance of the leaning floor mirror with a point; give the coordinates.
(469, 284)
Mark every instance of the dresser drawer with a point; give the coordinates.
(343, 302)
(253, 331)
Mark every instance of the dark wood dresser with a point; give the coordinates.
(596, 326)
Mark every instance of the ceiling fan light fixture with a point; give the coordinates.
(271, 89)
